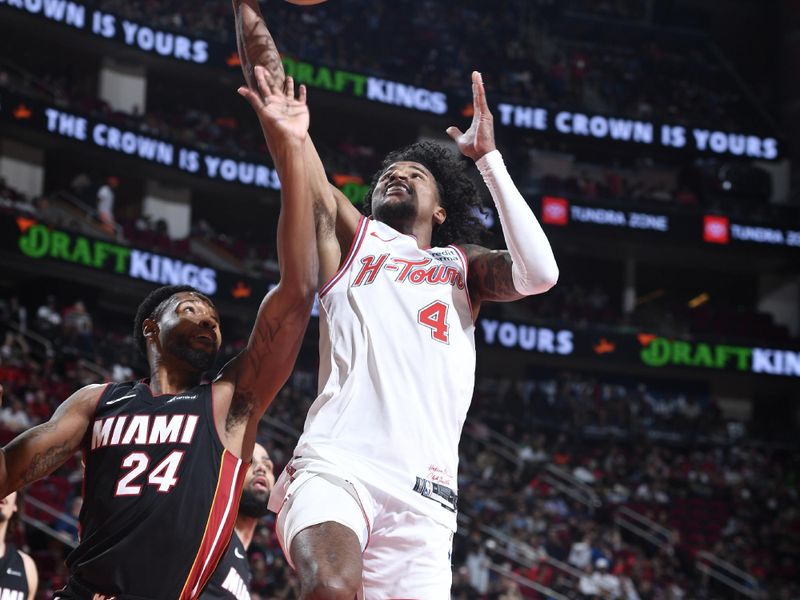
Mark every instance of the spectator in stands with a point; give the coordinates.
(15, 312)
(601, 583)
(68, 525)
(580, 555)
(477, 563)
(81, 187)
(121, 372)
(78, 327)
(48, 319)
(510, 591)
(14, 417)
(15, 349)
(105, 203)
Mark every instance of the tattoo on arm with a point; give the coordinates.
(491, 273)
(258, 47)
(261, 346)
(44, 462)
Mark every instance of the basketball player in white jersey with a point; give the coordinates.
(367, 506)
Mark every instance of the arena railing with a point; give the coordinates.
(44, 527)
(705, 562)
(645, 528)
(47, 350)
(504, 541)
(96, 225)
(727, 574)
(496, 448)
(549, 593)
(570, 485)
(500, 545)
(99, 371)
(44, 345)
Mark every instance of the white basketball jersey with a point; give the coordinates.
(397, 366)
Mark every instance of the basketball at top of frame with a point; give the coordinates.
(305, 2)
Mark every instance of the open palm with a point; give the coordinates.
(279, 112)
(479, 138)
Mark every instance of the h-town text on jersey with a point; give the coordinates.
(414, 271)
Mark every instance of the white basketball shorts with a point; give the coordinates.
(405, 554)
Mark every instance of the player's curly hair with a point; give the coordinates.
(152, 306)
(457, 193)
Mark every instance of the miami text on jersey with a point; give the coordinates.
(9, 594)
(143, 429)
(236, 586)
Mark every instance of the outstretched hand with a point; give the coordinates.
(479, 138)
(280, 113)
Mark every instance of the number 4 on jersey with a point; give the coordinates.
(434, 316)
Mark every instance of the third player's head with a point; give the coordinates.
(178, 326)
(426, 185)
(257, 484)
(8, 506)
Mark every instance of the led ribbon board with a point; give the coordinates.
(78, 127)
(557, 122)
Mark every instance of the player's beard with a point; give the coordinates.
(254, 503)
(396, 211)
(201, 360)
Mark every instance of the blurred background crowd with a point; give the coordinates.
(578, 478)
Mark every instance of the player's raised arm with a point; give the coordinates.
(528, 266)
(40, 450)
(257, 48)
(253, 378)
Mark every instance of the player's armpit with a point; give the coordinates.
(347, 218)
(490, 277)
(42, 449)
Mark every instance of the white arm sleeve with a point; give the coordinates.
(534, 267)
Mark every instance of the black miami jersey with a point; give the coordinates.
(13, 581)
(231, 580)
(160, 495)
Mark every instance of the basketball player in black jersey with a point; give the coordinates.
(18, 575)
(231, 580)
(166, 459)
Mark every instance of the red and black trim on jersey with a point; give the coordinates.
(219, 527)
(463, 256)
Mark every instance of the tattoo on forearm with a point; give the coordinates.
(259, 48)
(492, 273)
(244, 400)
(43, 463)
